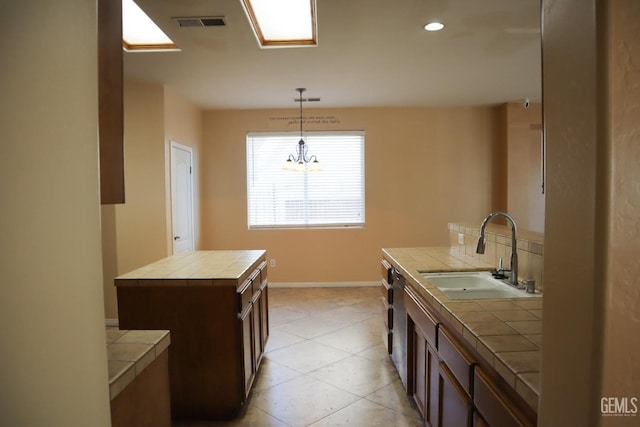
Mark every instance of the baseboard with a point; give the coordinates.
(111, 323)
(322, 284)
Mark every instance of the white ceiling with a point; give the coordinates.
(370, 53)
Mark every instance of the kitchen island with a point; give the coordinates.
(215, 303)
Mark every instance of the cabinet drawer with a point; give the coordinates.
(245, 293)
(387, 271)
(421, 317)
(387, 313)
(458, 360)
(387, 291)
(251, 286)
(492, 406)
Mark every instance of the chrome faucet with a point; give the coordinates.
(482, 241)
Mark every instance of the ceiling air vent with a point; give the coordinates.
(201, 21)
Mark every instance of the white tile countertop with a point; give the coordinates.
(201, 268)
(129, 352)
(507, 333)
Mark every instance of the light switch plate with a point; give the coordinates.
(460, 239)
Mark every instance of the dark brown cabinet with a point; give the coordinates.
(454, 402)
(423, 383)
(423, 363)
(110, 102)
(253, 315)
(491, 404)
(387, 304)
(219, 329)
(445, 380)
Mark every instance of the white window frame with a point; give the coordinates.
(331, 198)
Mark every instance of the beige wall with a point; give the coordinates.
(424, 168)
(573, 216)
(139, 231)
(621, 347)
(53, 361)
(591, 266)
(139, 225)
(525, 201)
(183, 124)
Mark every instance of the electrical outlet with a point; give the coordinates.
(272, 263)
(460, 239)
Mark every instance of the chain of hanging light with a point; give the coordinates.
(302, 162)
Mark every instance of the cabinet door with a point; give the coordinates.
(264, 314)
(455, 404)
(420, 370)
(432, 408)
(493, 404)
(110, 102)
(478, 421)
(258, 348)
(248, 358)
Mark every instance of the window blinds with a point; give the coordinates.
(332, 197)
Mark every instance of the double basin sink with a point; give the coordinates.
(474, 285)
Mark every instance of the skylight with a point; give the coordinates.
(140, 33)
(283, 23)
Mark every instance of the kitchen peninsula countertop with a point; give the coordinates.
(198, 268)
(507, 333)
(130, 352)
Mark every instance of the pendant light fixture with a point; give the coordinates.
(302, 163)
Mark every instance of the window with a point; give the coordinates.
(333, 197)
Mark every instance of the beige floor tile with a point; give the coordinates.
(366, 413)
(395, 397)
(279, 316)
(377, 352)
(345, 313)
(358, 375)
(250, 417)
(307, 356)
(354, 338)
(302, 401)
(279, 339)
(271, 374)
(311, 326)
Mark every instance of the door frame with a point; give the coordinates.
(176, 145)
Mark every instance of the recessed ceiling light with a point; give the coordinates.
(140, 33)
(283, 23)
(434, 26)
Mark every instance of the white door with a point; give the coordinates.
(181, 198)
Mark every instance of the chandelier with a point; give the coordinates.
(302, 163)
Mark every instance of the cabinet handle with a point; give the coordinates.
(176, 237)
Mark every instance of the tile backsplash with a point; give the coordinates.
(530, 248)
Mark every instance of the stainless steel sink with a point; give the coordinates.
(474, 285)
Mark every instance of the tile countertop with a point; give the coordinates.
(129, 352)
(507, 333)
(201, 267)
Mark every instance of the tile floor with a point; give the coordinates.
(325, 365)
